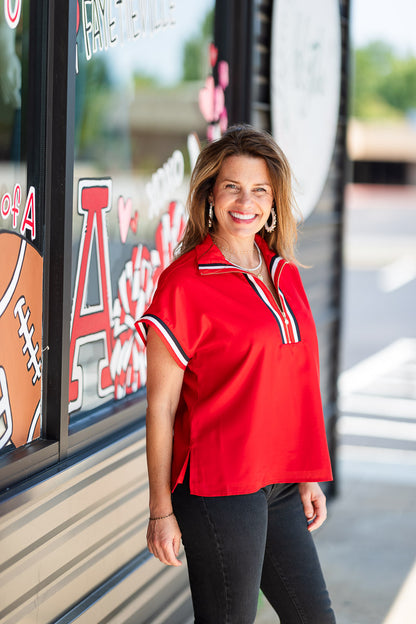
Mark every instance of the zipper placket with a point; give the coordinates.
(280, 307)
(283, 311)
(269, 301)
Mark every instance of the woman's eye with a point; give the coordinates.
(260, 189)
(233, 187)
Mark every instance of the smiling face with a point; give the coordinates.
(242, 198)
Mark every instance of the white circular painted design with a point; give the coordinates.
(305, 90)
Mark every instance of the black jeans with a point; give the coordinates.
(236, 544)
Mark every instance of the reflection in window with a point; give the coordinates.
(139, 111)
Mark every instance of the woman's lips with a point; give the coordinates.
(243, 217)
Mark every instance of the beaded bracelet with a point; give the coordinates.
(162, 517)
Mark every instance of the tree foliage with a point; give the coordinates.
(195, 55)
(384, 84)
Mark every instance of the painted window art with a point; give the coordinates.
(21, 340)
(145, 98)
(21, 247)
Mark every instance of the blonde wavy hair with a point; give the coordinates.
(242, 140)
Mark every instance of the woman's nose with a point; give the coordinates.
(244, 197)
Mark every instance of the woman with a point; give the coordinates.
(233, 370)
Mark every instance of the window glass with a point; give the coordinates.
(21, 241)
(145, 96)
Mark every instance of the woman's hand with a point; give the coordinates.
(164, 540)
(314, 504)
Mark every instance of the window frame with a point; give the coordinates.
(17, 464)
(61, 442)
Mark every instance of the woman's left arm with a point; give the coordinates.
(314, 504)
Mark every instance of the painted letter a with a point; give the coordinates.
(92, 323)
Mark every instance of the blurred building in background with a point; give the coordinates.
(382, 152)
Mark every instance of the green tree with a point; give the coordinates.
(384, 84)
(399, 88)
(195, 52)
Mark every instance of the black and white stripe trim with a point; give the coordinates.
(276, 315)
(217, 266)
(292, 319)
(274, 264)
(167, 334)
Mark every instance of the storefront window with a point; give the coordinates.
(21, 236)
(145, 97)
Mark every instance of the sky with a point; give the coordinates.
(393, 21)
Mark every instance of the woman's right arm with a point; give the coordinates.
(164, 383)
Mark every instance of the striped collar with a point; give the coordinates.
(211, 261)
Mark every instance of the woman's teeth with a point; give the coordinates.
(242, 217)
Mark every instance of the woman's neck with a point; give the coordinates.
(239, 251)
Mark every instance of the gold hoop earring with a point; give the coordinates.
(210, 215)
(271, 228)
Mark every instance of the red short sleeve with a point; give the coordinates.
(172, 315)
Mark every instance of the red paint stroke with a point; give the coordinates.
(29, 216)
(12, 17)
(6, 199)
(133, 222)
(213, 54)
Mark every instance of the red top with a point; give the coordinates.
(250, 411)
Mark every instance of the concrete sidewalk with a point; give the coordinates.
(367, 546)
